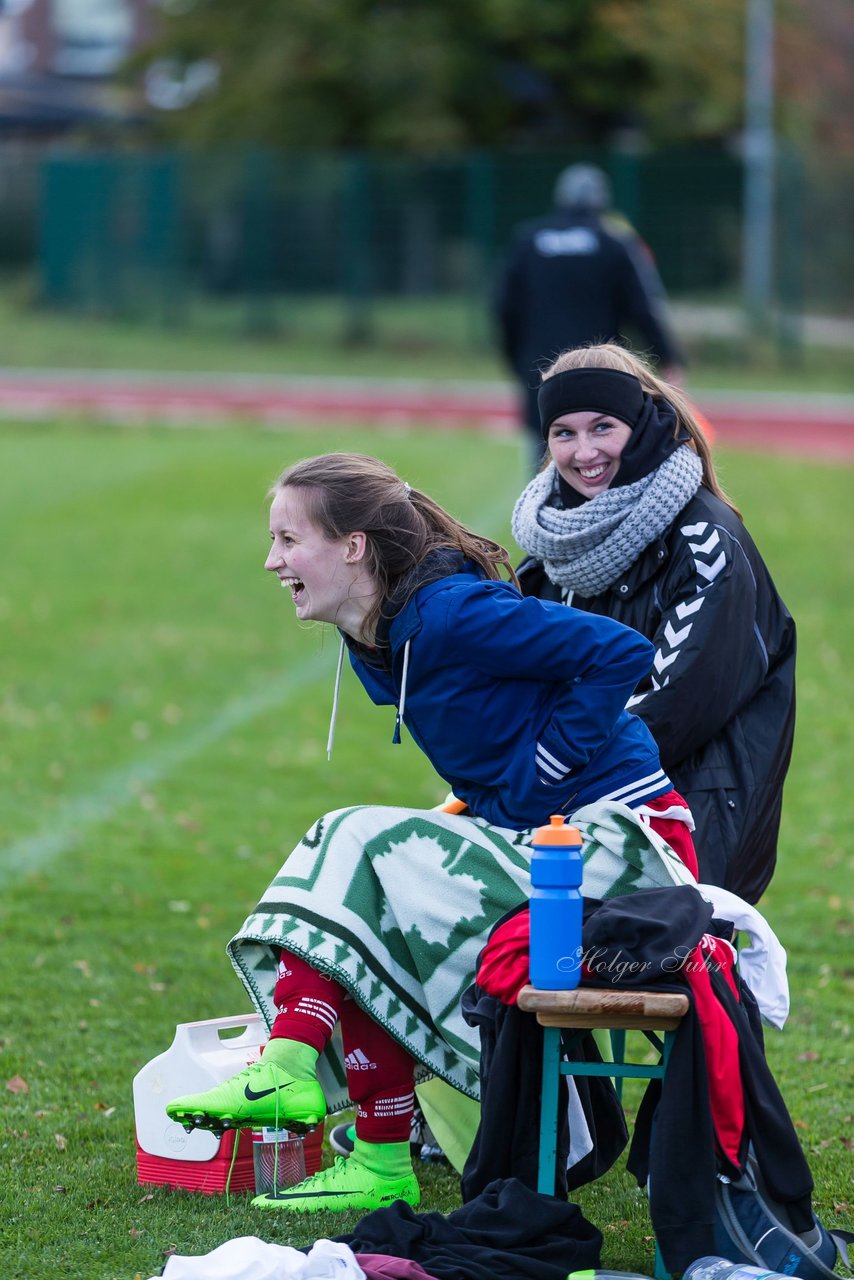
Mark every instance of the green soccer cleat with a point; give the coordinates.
(263, 1095)
(346, 1185)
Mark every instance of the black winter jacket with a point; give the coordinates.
(569, 280)
(720, 699)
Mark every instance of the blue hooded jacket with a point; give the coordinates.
(518, 703)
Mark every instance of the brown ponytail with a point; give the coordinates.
(345, 492)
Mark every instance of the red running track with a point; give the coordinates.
(820, 427)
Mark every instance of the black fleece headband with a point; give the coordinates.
(655, 429)
(590, 390)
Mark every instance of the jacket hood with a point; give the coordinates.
(441, 563)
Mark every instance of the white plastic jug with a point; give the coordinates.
(199, 1057)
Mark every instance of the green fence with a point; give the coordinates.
(271, 235)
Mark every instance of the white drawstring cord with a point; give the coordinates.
(403, 678)
(331, 738)
(401, 706)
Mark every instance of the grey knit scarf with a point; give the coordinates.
(590, 547)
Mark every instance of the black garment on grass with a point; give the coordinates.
(506, 1233)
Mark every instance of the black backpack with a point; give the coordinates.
(751, 1227)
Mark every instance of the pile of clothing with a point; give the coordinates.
(721, 1100)
(508, 1232)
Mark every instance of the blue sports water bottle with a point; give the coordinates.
(716, 1268)
(556, 906)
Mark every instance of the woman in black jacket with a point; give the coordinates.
(628, 520)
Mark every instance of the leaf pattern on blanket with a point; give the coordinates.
(434, 921)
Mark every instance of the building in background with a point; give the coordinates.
(58, 60)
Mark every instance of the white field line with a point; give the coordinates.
(122, 786)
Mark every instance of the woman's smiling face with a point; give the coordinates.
(326, 577)
(586, 448)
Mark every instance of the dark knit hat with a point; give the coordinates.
(582, 186)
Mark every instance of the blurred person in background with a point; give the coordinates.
(578, 276)
(628, 520)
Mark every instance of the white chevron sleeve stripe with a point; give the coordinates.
(676, 637)
(710, 571)
(684, 609)
(661, 663)
(705, 548)
(639, 788)
(549, 771)
(694, 530)
(547, 764)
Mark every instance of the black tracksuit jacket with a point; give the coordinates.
(720, 698)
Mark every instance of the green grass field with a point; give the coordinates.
(421, 337)
(164, 722)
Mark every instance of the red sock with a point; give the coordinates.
(380, 1077)
(309, 1003)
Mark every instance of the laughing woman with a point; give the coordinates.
(628, 521)
(361, 947)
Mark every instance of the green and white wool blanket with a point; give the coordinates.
(396, 904)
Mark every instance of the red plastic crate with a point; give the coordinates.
(211, 1176)
(313, 1149)
(208, 1176)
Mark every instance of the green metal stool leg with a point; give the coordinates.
(548, 1111)
(618, 1054)
(554, 1068)
(661, 1272)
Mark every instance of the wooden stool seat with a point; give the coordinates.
(582, 1010)
(587, 1007)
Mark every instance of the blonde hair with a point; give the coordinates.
(608, 355)
(350, 492)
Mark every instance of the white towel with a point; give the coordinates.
(762, 964)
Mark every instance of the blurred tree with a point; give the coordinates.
(422, 75)
(693, 53)
(815, 59)
(432, 75)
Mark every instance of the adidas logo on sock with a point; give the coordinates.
(356, 1061)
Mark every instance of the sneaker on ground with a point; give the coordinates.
(346, 1185)
(342, 1138)
(261, 1095)
(432, 1153)
(422, 1143)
